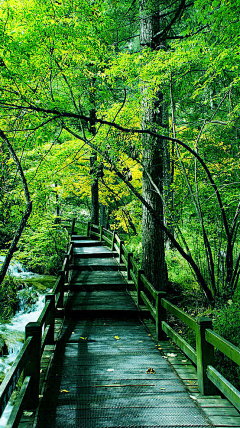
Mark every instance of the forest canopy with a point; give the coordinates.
(149, 90)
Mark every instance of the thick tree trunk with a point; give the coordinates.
(94, 191)
(154, 158)
(93, 171)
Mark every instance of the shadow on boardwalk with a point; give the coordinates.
(107, 371)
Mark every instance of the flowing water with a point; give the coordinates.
(13, 330)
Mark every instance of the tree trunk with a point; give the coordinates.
(154, 113)
(94, 191)
(93, 171)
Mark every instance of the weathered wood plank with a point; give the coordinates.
(224, 386)
(226, 347)
(186, 348)
(225, 421)
(179, 314)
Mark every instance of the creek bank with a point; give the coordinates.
(30, 290)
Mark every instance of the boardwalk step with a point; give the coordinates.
(78, 237)
(103, 277)
(97, 266)
(95, 286)
(84, 243)
(101, 300)
(100, 254)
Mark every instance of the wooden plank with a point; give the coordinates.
(134, 278)
(117, 239)
(108, 232)
(10, 381)
(125, 251)
(225, 421)
(221, 411)
(124, 260)
(16, 413)
(134, 264)
(226, 347)
(109, 241)
(213, 402)
(149, 286)
(224, 386)
(42, 317)
(148, 304)
(179, 314)
(186, 348)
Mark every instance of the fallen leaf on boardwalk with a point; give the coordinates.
(172, 355)
(149, 335)
(83, 338)
(165, 357)
(73, 332)
(159, 347)
(64, 390)
(27, 413)
(150, 371)
(140, 341)
(184, 361)
(116, 337)
(163, 389)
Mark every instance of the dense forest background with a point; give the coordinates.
(127, 113)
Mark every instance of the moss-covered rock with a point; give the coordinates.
(41, 283)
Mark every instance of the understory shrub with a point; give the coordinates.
(227, 323)
(42, 248)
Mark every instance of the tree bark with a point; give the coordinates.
(25, 216)
(154, 157)
(93, 171)
(94, 191)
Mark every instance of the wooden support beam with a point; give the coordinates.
(50, 320)
(32, 367)
(205, 356)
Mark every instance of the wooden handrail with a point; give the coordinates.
(42, 332)
(206, 338)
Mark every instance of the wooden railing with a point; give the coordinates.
(26, 368)
(209, 379)
(41, 333)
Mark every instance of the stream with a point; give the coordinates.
(13, 330)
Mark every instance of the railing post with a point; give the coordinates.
(161, 315)
(32, 367)
(113, 240)
(120, 250)
(50, 318)
(61, 290)
(205, 356)
(88, 228)
(101, 233)
(66, 270)
(139, 286)
(129, 266)
(73, 225)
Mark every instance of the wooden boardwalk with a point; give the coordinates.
(107, 370)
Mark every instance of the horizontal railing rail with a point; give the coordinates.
(38, 335)
(206, 339)
(41, 333)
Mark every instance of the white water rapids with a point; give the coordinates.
(13, 330)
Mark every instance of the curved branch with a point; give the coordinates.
(186, 256)
(137, 131)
